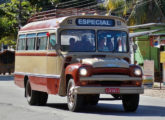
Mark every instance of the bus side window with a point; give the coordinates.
(38, 44)
(52, 41)
(41, 41)
(21, 45)
(31, 41)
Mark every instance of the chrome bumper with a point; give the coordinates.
(101, 90)
(109, 78)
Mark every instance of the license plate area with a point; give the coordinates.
(112, 90)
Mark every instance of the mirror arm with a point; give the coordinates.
(59, 53)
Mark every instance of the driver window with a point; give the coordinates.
(52, 41)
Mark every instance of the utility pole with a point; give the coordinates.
(20, 14)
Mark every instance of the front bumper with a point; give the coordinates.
(110, 78)
(101, 90)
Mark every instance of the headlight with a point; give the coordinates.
(83, 71)
(137, 72)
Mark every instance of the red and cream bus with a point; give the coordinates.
(79, 57)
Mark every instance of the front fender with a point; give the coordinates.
(73, 70)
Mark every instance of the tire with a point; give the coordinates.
(74, 101)
(116, 96)
(91, 99)
(130, 102)
(35, 97)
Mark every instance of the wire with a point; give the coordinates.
(81, 5)
(75, 2)
(68, 1)
(137, 5)
(84, 6)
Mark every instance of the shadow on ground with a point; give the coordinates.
(116, 109)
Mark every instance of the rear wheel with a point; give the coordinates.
(74, 100)
(35, 97)
(130, 102)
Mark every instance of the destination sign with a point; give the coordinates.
(95, 22)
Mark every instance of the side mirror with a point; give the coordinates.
(135, 47)
(56, 47)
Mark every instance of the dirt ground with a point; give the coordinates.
(155, 92)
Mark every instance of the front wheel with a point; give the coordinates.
(91, 99)
(130, 102)
(74, 100)
(35, 97)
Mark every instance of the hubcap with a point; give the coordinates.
(28, 92)
(71, 96)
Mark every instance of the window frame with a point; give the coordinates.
(95, 38)
(35, 37)
(127, 40)
(49, 41)
(42, 36)
(19, 42)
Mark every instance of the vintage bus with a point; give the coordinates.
(81, 57)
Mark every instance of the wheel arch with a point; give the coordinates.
(68, 77)
(26, 78)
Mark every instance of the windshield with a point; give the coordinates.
(112, 41)
(78, 40)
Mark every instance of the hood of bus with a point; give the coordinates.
(101, 62)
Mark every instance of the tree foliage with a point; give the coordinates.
(138, 11)
(115, 4)
(42, 5)
(15, 13)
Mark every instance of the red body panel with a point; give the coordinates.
(73, 71)
(19, 80)
(53, 85)
(38, 83)
(36, 54)
(119, 71)
(49, 85)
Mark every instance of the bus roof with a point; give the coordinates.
(56, 22)
(46, 24)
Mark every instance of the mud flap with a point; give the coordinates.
(62, 86)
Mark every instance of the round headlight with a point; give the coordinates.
(83, 71)
(137, 71)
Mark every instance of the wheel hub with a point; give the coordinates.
(28, 92)
(71, 96)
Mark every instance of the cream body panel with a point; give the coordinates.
(54, 65)
(31, 64)
(50, 65)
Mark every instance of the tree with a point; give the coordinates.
(12, 14)
(43, 5)
(16, 13)
(138, 11)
